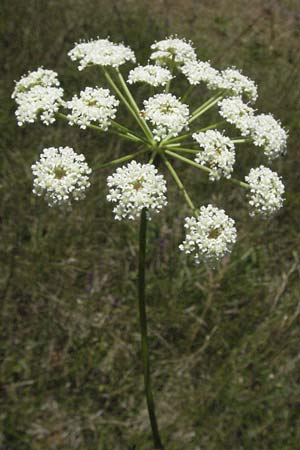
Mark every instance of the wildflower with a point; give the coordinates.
(61, 175)
(134, 187)
(40, 77)
(101, 52)
(167, 114)
(236, 112)
(39, 101)
(238, 84)
(218, 153)
(200, 71)
(210, 236)
(268, 133)
(266, 191)
(154, 75)
(93, 105)
(173, 49)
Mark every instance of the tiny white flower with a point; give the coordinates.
(172, 48)
(238, 84)
(94, 105)
(168, 115)
(218, 153)
(39, 102)
(150, 74)
(238, 113)
(266, 191)
(268, 133)
(210, 236)
(61, 175)
(101, 52)
(200, 71)
(40, 77)
(134, 187)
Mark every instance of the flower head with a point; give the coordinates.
(238, 84)
(61, 175)
(168, 115)
(218, 153)
(39, 101)
(266, 191)
(40, 77)
(210, 236)
(200, 71)
(93, 105)
(101, 52)
(172, 48)
(153, 75)
(238, 113)
(268, 133)
(134, 187)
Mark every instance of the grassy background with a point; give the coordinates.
(224, 343)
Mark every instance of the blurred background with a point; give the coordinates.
(224, 343)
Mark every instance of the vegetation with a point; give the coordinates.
(224, 343)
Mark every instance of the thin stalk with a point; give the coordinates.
(122, 159)
(205, 169)
(128, 137)
(175, 139)
(144, 331)
(135, 107)
(210, 127)
(168, 85)
(127, 131)
(205, 107)
(187, 93)
(179, 183)
(182, 149)
(134, 113)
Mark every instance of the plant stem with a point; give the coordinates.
(134, 106)
(205, 169)
(144, 331)
(129, 137)
(205, 107)
(179, 183)
(122, 159)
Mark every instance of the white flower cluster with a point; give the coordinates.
(153, 75)
(40, 77)
(101, 52)
(38, 94)
(167, 114)
(218, 153)
(268, 133)
(210, 236)
(266, 191)
(134, 187)
(236, 112)
(172, 48)
(93, 105)
(237, 83)
(61, 175)
(200, 71)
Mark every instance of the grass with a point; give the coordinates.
(224, 343)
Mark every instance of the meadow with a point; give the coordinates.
(224, 342)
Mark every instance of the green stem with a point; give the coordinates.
(187, 93)
(122, 159)
(210, 127)
(124, 100)
(168, 85)
(205, 107)
(182, 149)
(179, 183)
(135, 107)
(205, 169)
(128, 137)
(144, 331)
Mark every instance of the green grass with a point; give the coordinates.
(224, 343)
